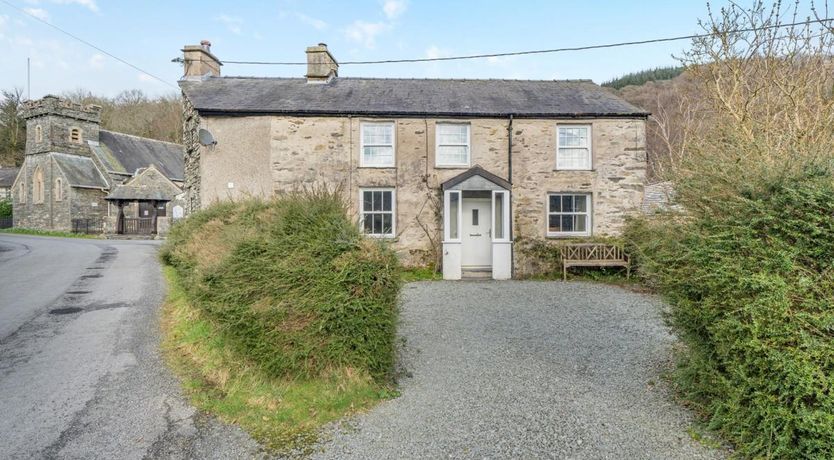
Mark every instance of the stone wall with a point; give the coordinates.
(285, 153)
(193, 150)
(50, 214)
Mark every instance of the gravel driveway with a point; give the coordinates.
(526, 369)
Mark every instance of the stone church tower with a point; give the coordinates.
(58, 125)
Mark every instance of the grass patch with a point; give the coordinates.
(421, 274)
(55, 233)
(280, 413)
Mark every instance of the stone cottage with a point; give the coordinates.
(79, 177)
(451, 171)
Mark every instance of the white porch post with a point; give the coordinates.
(452, 217)
(502, 246)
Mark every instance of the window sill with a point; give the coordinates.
(574, 170)
(393, 238)
(563, 236)
(377, 167)
(452, 166)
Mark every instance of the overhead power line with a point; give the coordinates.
(545, 51)
(22, 11)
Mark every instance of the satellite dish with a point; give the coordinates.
(205, 137)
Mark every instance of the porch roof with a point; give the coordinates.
(476, 170)
(129, 192)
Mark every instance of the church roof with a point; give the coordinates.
(125, 154)
(79, 171)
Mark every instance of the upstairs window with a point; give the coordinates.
(377, 212)
(573, 147)
(569, 214)
(75, 135)
(38, 133)
(377, 144)
(452, 144)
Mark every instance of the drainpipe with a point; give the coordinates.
(510, 196)
(510, 150)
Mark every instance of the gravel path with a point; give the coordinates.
(526, 369)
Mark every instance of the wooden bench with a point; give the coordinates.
(593, 255)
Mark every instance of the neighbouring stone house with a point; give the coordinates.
(7, 176)
(451, 171)
(79, 177)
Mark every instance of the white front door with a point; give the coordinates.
(477, 233)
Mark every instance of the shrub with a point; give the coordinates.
(5, 208)
(293, 284)
(750, 278)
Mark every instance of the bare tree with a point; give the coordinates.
(765, 83)
(12, 128)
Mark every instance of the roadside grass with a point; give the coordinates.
(420, 274)
(282, 414)
(55, 233)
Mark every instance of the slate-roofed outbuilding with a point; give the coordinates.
(407, 97)
(7, 176)
(133, 153)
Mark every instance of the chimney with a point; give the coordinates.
(199, 63)
(321, 66)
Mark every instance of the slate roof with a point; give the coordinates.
(79, 171)
(407, 97)
(129, 192)
(7, 176)
(132, 153)
(476, 170)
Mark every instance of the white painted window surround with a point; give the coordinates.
(377, 212)
(569, 214)
(573, 147)
(377, 141)
(452, 146)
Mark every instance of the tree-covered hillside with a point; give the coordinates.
(644, 76)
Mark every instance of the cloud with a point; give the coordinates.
(233, 23)
(3, 21)
(145, 78)
(315, 23)
(39, 13)
(433, 52)
(366, 32)
(394, 8)
(96, 61)
(89, 4)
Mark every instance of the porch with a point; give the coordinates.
(477, 240)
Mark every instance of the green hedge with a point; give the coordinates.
(292, 283)
(5, 208)
(749, 277)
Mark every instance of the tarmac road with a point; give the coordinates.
(80, 370)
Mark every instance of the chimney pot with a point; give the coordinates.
(206, 45)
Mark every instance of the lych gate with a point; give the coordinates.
(476, 225)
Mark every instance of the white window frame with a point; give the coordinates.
(437, 145)
(505, 215)
(589, 213)
(447, 222)
(590, 128)
(393, 211)
(393, 145)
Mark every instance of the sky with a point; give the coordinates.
(150, 33)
